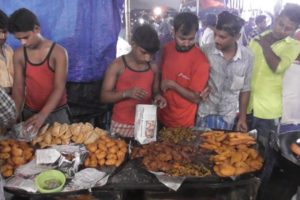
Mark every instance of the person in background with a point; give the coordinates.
(261, 24)
(274, 52)
(208, 34)
(6, 56)
(165, 31)
(185, 71)
(249, 31)
(290, 120)
(41, 68)
(132, 79)
(229, 83)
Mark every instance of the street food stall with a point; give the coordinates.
(94, 161)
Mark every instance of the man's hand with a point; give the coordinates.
(242, 125)
(266, 40)
(36, 121)
(160, 101)
(205, 93)
(136, 93)
(167, 84)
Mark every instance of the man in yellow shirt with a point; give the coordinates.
(6, 56)
(274, 52)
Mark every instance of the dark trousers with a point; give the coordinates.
(60, 115)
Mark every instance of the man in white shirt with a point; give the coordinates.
(208, 34)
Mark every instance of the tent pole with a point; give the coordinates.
(127, 20)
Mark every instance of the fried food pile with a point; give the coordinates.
(106, 152)
(13, 154)
(176, 135)
(56, 134)
(234, 156)
(170, 158)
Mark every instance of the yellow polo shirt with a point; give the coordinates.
(266, 85)
(6, 67)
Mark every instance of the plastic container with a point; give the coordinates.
(50, 181)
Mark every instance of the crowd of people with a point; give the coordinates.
(218, 84)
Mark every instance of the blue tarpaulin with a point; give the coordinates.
(88, 29)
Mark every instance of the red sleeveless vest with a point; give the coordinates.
(39, 80)
(124, 111)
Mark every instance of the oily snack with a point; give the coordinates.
(14, 153)
(56, 134)
(176, 135)
(233, 152)
(171, 158)
(106, 151)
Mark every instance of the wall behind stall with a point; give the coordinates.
(88, 29)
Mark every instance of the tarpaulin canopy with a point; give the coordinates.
(87, 29)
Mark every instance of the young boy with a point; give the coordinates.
(41, 68)
(131, 80)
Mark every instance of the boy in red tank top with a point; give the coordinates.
(40, 73)
(132, 79)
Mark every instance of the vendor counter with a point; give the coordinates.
(131, 181)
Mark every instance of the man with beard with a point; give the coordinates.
(40, 73)
(228, 88)
(274, 52)
(184, 74)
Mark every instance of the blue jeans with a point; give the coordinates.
(213, 122)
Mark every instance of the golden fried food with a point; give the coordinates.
(111, 162)
(8, 173)
(100, 154)
(107, 151)
(91, 147)
(295, 148)
(234, 156)
(13, 154)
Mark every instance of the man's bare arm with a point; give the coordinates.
(185, 93)
(18, 89)
(271, 58)
(108, 93)
(243, 103)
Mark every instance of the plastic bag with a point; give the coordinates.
(21, 133)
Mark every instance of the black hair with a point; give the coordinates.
(211, 19)
(260, 18)
(146, 37)
(3, 20)
(22, 20)
(186, 22)
(292, 11)
(230, 23)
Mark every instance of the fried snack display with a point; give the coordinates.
(169, 158)
(234, 156)
(13, 154)
(56, 134)
(106, 152)
(176, 135)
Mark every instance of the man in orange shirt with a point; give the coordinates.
(185, 72)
